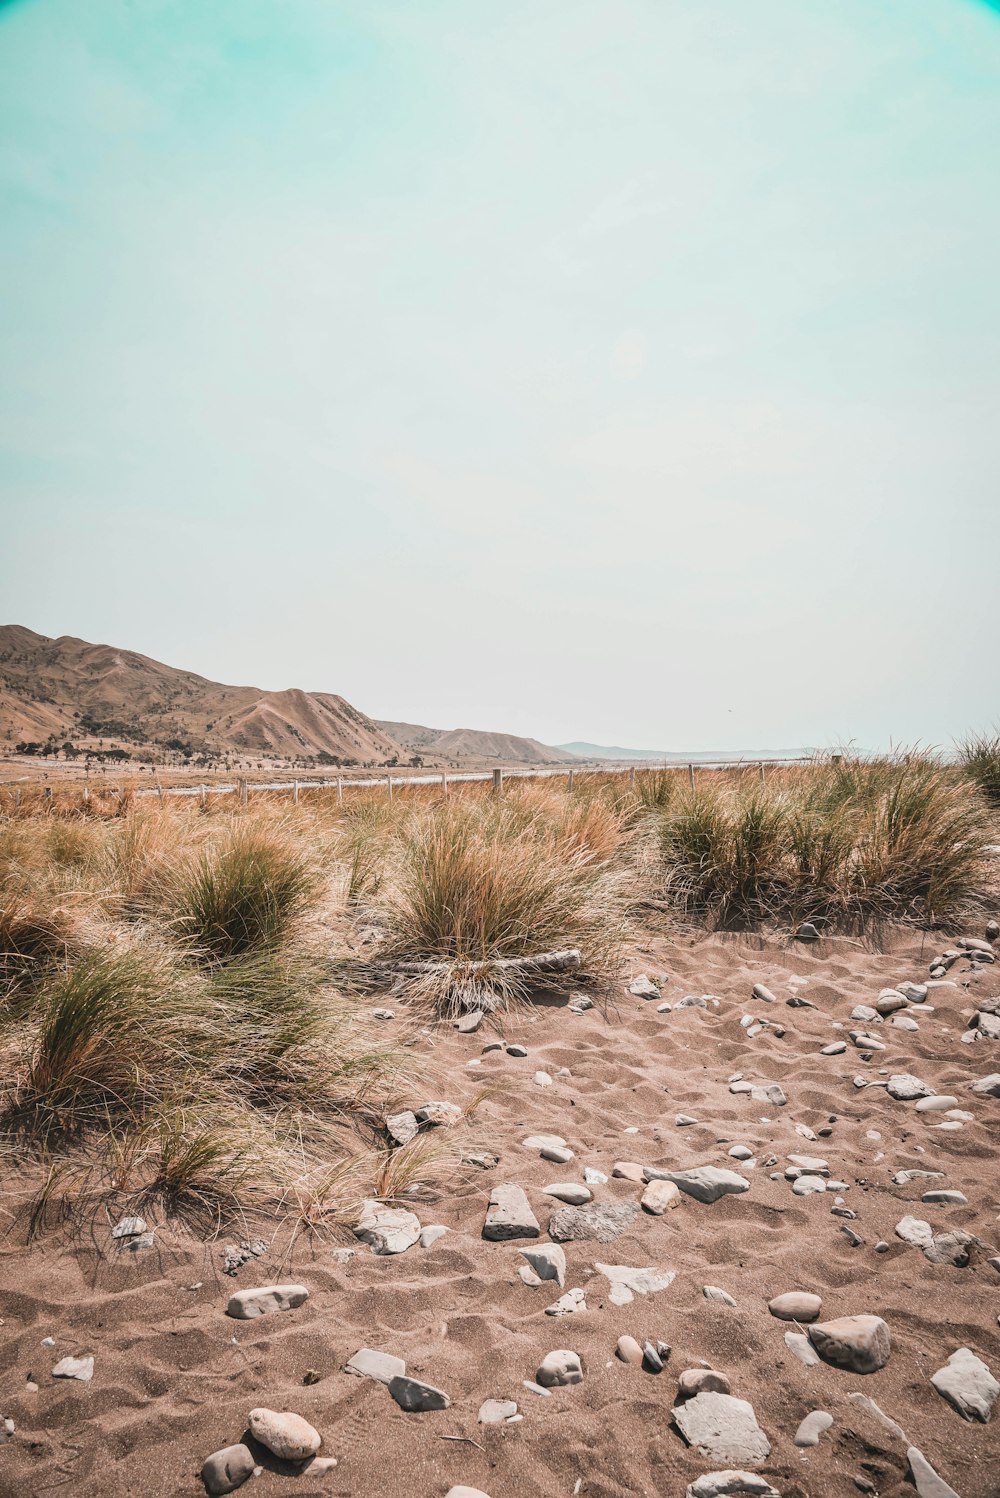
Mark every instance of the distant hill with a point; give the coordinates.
(678, 756)
(473, 744)
(70, 689)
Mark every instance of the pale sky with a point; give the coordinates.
(622, 370)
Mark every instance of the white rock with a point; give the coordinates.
(642, 988)
(926, 1481)
(795, 1305)
(721, 1297)
(627, 1282)
(594, 1177)
(706, 1183)
(659, 1196)
(128, 1227)
(967, 1383)
(859, 1343)
(495, 1411)
(568, 1191)
(812, 1427)
(557, 1156)
(568, 1304)
(464, 1492)
(509, 1215)
(431, 1233)
(808, 1185)
(247, 1305)
(799, 1344)
(381, 1366)
(559, 1368)
(939, 1104)
(389, 1230)
(722, 1428)
(284, 1434)
(905, 1087)
(548, 1260)
(916, 1231)
(413, 1395)
(542, 1079)
(718, 1484)
(544, 1141)
(78, 1368)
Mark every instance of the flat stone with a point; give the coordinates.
(926, 1481)
(807, 1185)
(431, 1233)
(228, 1469)
(568, 1304)
(517, 1050)
(643, 988)
(568, 1191)
(464, 1492)
(600, 1222)
(800, 1345)
(129, 1227)
(891, 1002)
(721, 1297)
(469, 1023)
(812, 1427)
(902, 1176)
(402, 1126)
(285, 1435)
(389, 1230)
(967, 1384)
(629, 1351)
(381, 1366)
(938, 1104)
(247, 1305)
(659, 1197)
(706, 1183)
(594, 1177)
(627, 1282)
(988, 1086)
(547, 1261)
(795, 1305)
(916, 1231)
(509, 1215)
(558, 1156)
(441, 1114)
(81, 1369)
(763, 993)
(864, 1012)
(950, 1248)
(495, 1411)
(812, 1164)
(559, 1368)
(701, 1381)
(542, 1079)
(859, 1343)
(835, 1048)
(628, 1170)
(718, 1484)
(416, 1397)
(739, 1152)
(722, 1428)
(544, 1141)
(905, 1087)
(945, 1198)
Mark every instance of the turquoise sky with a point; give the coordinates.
(624, 371)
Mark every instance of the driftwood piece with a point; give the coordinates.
(545, 962)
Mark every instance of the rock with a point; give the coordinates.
(642, 988)
(416, 1397)
(600, 1222)
(722, 1428)
(859, 1343)
(389, 1230)
(795, 1305)
(988, 1025)
(738, 1152)
(443, 1115)
(886, 1421)
(865, 1013)
(557, 1156)
(627, 1282)
(945, 1198)
(721, 1297)
(812, 1427)
(684, 1120)
(694, 1381)
(482, 1161)
(381, 1366)
(594, 1177)
(509, 1215)
(629, 1351)
(628, 1170)
(904, 1022)
(469, 1023)
(463, 1492)
(759, 991)
(802, 1348)
(916, 1231)
(568, 1191)
(967, 1383)
(548, 1261)
(227, 1469)
(905, 1087)
(811, 1164)
(559, 1368)
(915, 992)
(988, 1086)
(652, 1357)
(431, 1233)
(495, 1411)
(939, 1104)
(81, 1369)
(706, 1183)
(716, 1484)
(891, 1002)
(659, 1196)
(580, 1003)
(950, 1248)
(902, 1176)
(926, 1481)
(247, 1305)
(807, 932)
(544, 1141)
(285, 1435)
(542, 1079)
(129, 1227)
(568, 1304)
(694, 1001)
(402, 1126)
(517, 1050)
(808, 1185)
(835, 1048)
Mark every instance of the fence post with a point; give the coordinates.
(295, 793)
(340, 790)
(388, 781)
(244, 794)
(86, 793)
(203, 797)
(691, 775)
(569, 781)
(444, 783)
(47, 794)
(762, 779)
(159, 790)
(498, 780)
(17, 796)
(631, 776)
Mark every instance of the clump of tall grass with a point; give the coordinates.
(243, 895)
(979, 757)
(846, 844)
(480, 881)
(33, 936)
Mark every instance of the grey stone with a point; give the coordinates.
(627, 1282)
(247, 1305)
(469, 1023)
(128, 1227)
(967, 1383)
(642, 988)
(812, 1427)
(629, 1351)
(916, 1231)
(558, 1156)
(544, 1141)
(799, 1344)
(81, 1369)
(227, 1469)
(659, 1197)
(285, 1435)
(559, 1368)
(381, 1366)
(548, 1261)
(760, 991)
(835, 1048)
(987, 1024)
(439, 1113)
(940, 1104)
(807, 932)
(891, 1002)
(926, 1481)
(722, 1428)
(495, 1411)
(721, 1297)
(859, 1343)
(600, 1222)
(950, 1248)
(431, 1233)
(568, 1304)
(568, 1191)
(509, 1215)
(402, 1126)
(416, 1397)
(718, 1484)
(808, 1185)
(693, 1001)
(706, 1183)
(795, 1305)
(389, 1230)
(902, 1176)
(988, 1086)
(517, 1050)
(701, 1381)
(945, 1198)
(905, 1087)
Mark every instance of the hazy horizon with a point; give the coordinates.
(621, 373)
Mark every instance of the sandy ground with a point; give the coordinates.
(175, 1378)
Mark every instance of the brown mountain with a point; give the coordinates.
(73, 689)
(473, 744)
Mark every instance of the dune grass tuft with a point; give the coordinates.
(980, 759)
